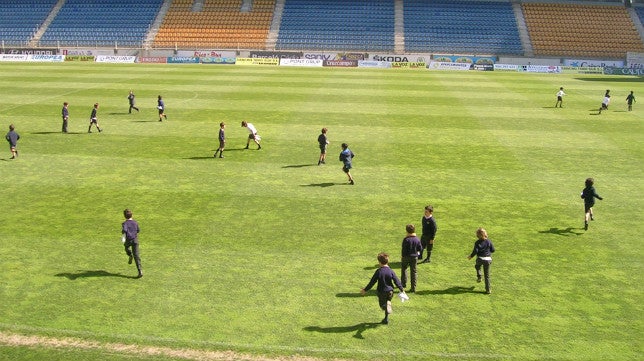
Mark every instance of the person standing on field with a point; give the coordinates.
(65, 114)
(409, 257)
(605, 102)
(588, 194)
(483, 249)
(560, 95)
(222, 141)
(161, 107)
(323, 142)
(630, 99)
(132, 102)
(12, 137)
(428, 234)
(130, 237)
(346, 157)
(386, 279)
(93, 119)
(252, 134)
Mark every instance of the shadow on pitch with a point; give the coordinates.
(455, 290)
(47, 133)
(321, 185)
(91, 273)
(358, 329)
(614, 80)
(298, 165)
(563, 231)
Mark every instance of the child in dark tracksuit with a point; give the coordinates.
(483, 249)
(386, 278)
(588, 194)
(130, 231)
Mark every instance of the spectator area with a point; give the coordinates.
(598, 31)
(640, 13)
(20, 19)
(220, 24)
(101, 23)
(337, 25)
(461, 26)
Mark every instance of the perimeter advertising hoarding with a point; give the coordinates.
(339, 63)
(610, 70)
(30, 51)
(183, 60)
(46, 58)
(257, 61)
(152, 59)
(276, 54)
(115, 59)
(301, 62)
(218, 61)
(13, 57)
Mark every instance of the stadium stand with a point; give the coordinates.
(20, 19)
(640, 13)
(580, 30)
(461, 26)
(337, 25)
(101, 23)
(220, 24)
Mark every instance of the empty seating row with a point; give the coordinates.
(581, 30)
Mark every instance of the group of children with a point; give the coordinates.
(387, 280)
(630, 99)
(93, 118)
(412, 250)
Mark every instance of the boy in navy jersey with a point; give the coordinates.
(386, 278)
(130, 237)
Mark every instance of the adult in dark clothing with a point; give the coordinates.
(65, 114)
(429, 233)
(411, 248)
(588, 194)
(483, 249)
(132, 102)
(386, 278)
(130, 237)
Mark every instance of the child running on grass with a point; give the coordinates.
(588, 194)
(386, 278)
(12, 137)
(130, 237)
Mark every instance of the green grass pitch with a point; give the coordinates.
(264, 252)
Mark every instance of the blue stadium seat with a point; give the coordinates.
(102, 23)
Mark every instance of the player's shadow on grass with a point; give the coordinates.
(455, 290)
(321, 185)
(358, 329)
(563, 232)
(119, 113)
(47, 133)
(91, 273)
(298, 165)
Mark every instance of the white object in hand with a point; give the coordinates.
(123, 238)
(403, 296)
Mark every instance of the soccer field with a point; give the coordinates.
(264, 252)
